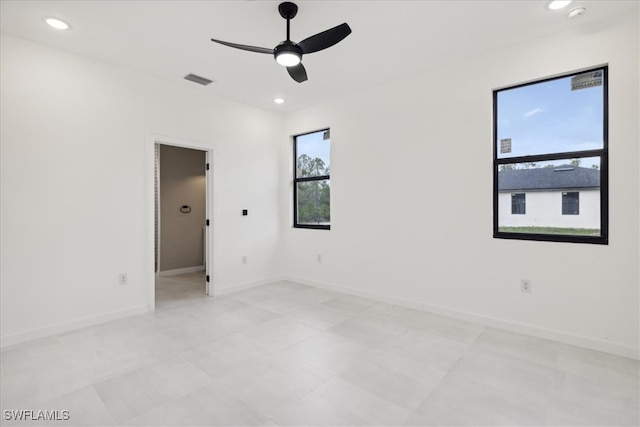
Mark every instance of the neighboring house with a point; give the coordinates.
(560, 196)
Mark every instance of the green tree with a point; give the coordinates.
(311, 167)
(313, 196)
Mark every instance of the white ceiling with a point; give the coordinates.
(390, 39)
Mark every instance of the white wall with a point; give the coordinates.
(411, 166)
(411, 192)
(77, 159)
(544, 209)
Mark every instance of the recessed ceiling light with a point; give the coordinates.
(278, 100)
(558, 4)
(578, 11)
(56, 23)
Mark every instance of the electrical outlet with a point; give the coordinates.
(244, 259)
(525, 286)
(319, 258)
(123, 279)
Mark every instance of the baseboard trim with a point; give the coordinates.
(357, 292)
(8, 341)
(176, 271)
(226, 290)
(538, 332)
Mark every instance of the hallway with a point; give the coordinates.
(179, 290)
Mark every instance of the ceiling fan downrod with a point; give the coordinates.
(288, 11)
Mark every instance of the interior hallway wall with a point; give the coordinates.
(182, 183)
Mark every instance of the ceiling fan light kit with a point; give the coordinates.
(288, 53)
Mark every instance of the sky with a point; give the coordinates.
(313, 145)
(549, 117)
(540, 118)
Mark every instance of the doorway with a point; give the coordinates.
(181, 230)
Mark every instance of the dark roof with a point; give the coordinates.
(551, 178)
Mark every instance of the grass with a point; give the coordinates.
(552, 230)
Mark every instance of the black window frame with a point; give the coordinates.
(518, 202)
(297, 180)
(602, 153)
(568, 203)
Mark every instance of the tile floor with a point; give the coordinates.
(173, 291)
(285, 354)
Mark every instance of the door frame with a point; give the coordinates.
(211, 211)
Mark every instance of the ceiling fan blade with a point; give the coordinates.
(245, 47)
(325, 39)
(298, 73)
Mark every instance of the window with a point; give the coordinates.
(571, 203)
(311, 181)
(518, 204)
(550, 144)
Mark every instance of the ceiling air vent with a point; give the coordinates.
(197, 79)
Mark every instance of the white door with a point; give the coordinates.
(208, 225)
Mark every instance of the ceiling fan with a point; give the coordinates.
(288, 53)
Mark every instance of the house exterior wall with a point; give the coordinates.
(544, 209)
